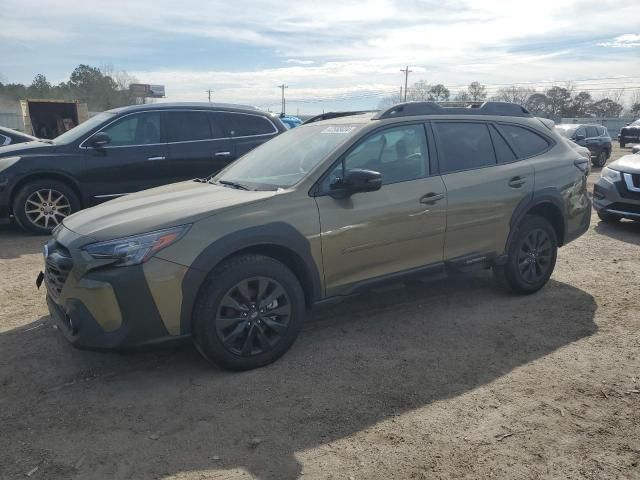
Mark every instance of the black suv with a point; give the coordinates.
(629, 134)
(122, 151)
(595, 137)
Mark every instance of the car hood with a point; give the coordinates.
(18, 149)
(157, 208)
(628, 164)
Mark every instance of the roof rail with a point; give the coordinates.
(329, 115)
(433, 108)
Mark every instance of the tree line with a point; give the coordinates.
(100, 88)
(554, 102)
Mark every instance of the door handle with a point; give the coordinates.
(517, 182)
(431, 198)
(223, 154)
(156, 158)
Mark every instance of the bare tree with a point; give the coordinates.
(513, 94)
(477, 91)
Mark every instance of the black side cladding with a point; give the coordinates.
(278, 234)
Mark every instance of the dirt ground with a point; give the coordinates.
(446, 379)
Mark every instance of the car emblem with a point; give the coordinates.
(46, 251)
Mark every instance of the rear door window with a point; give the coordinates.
(592, 132)
(243, 125)
(525, 142)
(4, 140)
(188, 126)
(463, 146)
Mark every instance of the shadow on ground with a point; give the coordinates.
(81, 414)
(625, 231)
(16, 242)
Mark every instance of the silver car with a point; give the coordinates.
(616, 194)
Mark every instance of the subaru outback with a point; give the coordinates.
(318, 213)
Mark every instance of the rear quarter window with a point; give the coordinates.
(525, 142)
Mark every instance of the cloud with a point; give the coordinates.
(628, 40)
(300, 62)
(324, 49)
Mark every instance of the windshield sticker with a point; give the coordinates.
(340, 129)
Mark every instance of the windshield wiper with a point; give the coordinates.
(237, 185)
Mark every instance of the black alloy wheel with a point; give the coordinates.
(249, 311)
(534, 259)
(253, 316)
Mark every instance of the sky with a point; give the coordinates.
(331, 54)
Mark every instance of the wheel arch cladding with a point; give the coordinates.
(277, 240)
(547, 204)
(43, 176)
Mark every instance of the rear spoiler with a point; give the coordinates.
(547, 123)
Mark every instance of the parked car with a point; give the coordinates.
(122, 151)
(595, 137)
(616, 194)
(321, 211)
(9, 136)
(290, 122)
(630, 134)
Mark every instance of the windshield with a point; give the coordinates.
(566, 131)
(285, 160)
(76, 132)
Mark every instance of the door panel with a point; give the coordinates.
(199, 159)
(378, 233)
(397, 228)
(198, 144)
(136, 158)
(480, 205)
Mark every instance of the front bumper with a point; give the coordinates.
(110, 307)
(616, 199)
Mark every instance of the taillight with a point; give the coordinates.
(583, 165)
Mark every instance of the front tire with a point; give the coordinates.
(248, 313)
(41, 205)
(531, 257)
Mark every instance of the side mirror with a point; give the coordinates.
(356, 181)
(580, 137)
(100, 140)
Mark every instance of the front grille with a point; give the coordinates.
(625, 192)
(58, 264)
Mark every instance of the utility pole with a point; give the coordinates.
(282, 87)
(406, 72)
(209, 92)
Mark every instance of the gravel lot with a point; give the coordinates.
(447, 379)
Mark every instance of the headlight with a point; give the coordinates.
(610, 174)
(136, 249)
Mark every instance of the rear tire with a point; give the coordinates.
(601, 160)
(622, 144)
(608, 218)
(531, 257)
(248, 312)
(40, 205)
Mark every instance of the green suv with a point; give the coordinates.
(319, 212)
